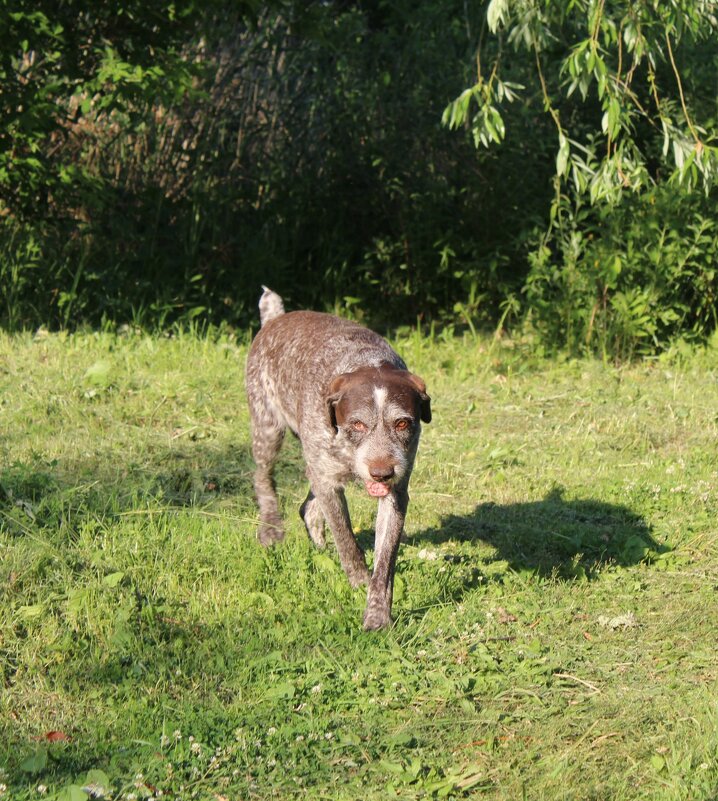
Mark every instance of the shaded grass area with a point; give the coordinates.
(555, 597)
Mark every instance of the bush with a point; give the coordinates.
(627, 280)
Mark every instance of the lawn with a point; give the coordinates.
(555, 603)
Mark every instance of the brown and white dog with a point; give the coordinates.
(357, 412)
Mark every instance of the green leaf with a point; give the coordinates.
(72, 792)
(113, 579)
(31, 611)
(98, 374)
(497, 14)
(403, 739)
(96, 784)
(658, 763)
(397, 768)
(98, 777)
(262, 597)
(283, 691)
(35, 763)
(564, 151)
(325, 563)
(399, 587)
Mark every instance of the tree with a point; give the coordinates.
(627, 262)
(622, 59)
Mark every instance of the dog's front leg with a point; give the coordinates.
(389, 526)
(333, 504)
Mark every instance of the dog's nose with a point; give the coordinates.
(381, 472)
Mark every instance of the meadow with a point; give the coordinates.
(555, 615)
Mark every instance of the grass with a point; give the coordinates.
(555, 608)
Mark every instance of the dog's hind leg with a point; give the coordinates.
(267, 437)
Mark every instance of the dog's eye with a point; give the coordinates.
(357, 425)
(402, 425)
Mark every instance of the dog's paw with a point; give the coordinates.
(375, 619)
(270, 531)
(316, 535)
(314, 522)
(358, 577)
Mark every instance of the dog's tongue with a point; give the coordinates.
(376, 489)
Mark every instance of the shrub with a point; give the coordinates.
(627, 280)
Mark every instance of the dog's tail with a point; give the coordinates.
(270, 306)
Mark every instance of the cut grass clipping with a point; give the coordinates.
(556, 621)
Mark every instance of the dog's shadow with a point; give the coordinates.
(564, 539)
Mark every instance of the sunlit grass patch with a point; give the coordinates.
(554, 631)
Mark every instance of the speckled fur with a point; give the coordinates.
(324, 378)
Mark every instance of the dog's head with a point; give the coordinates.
(378, 412)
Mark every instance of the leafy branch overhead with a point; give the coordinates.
(620, 80)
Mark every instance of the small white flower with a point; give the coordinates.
(328, 736)
(271, 763)
(177, 734)
(299, 738)
(41, 789)
(196, 748)
(271, 730)
(317, 688)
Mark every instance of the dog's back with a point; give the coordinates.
(295, 355)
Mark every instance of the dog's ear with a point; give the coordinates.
(424, 399)
(334, 393)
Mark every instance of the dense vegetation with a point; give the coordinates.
(158, 161)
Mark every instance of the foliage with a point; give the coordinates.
(75, 76)
(551, 638)
(66, 69)
(292, 164)
(625, 280)
(160, 162)
(627, 262)
(619, 59)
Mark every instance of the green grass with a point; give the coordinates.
(556, 622)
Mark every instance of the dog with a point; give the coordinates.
(357, 411)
